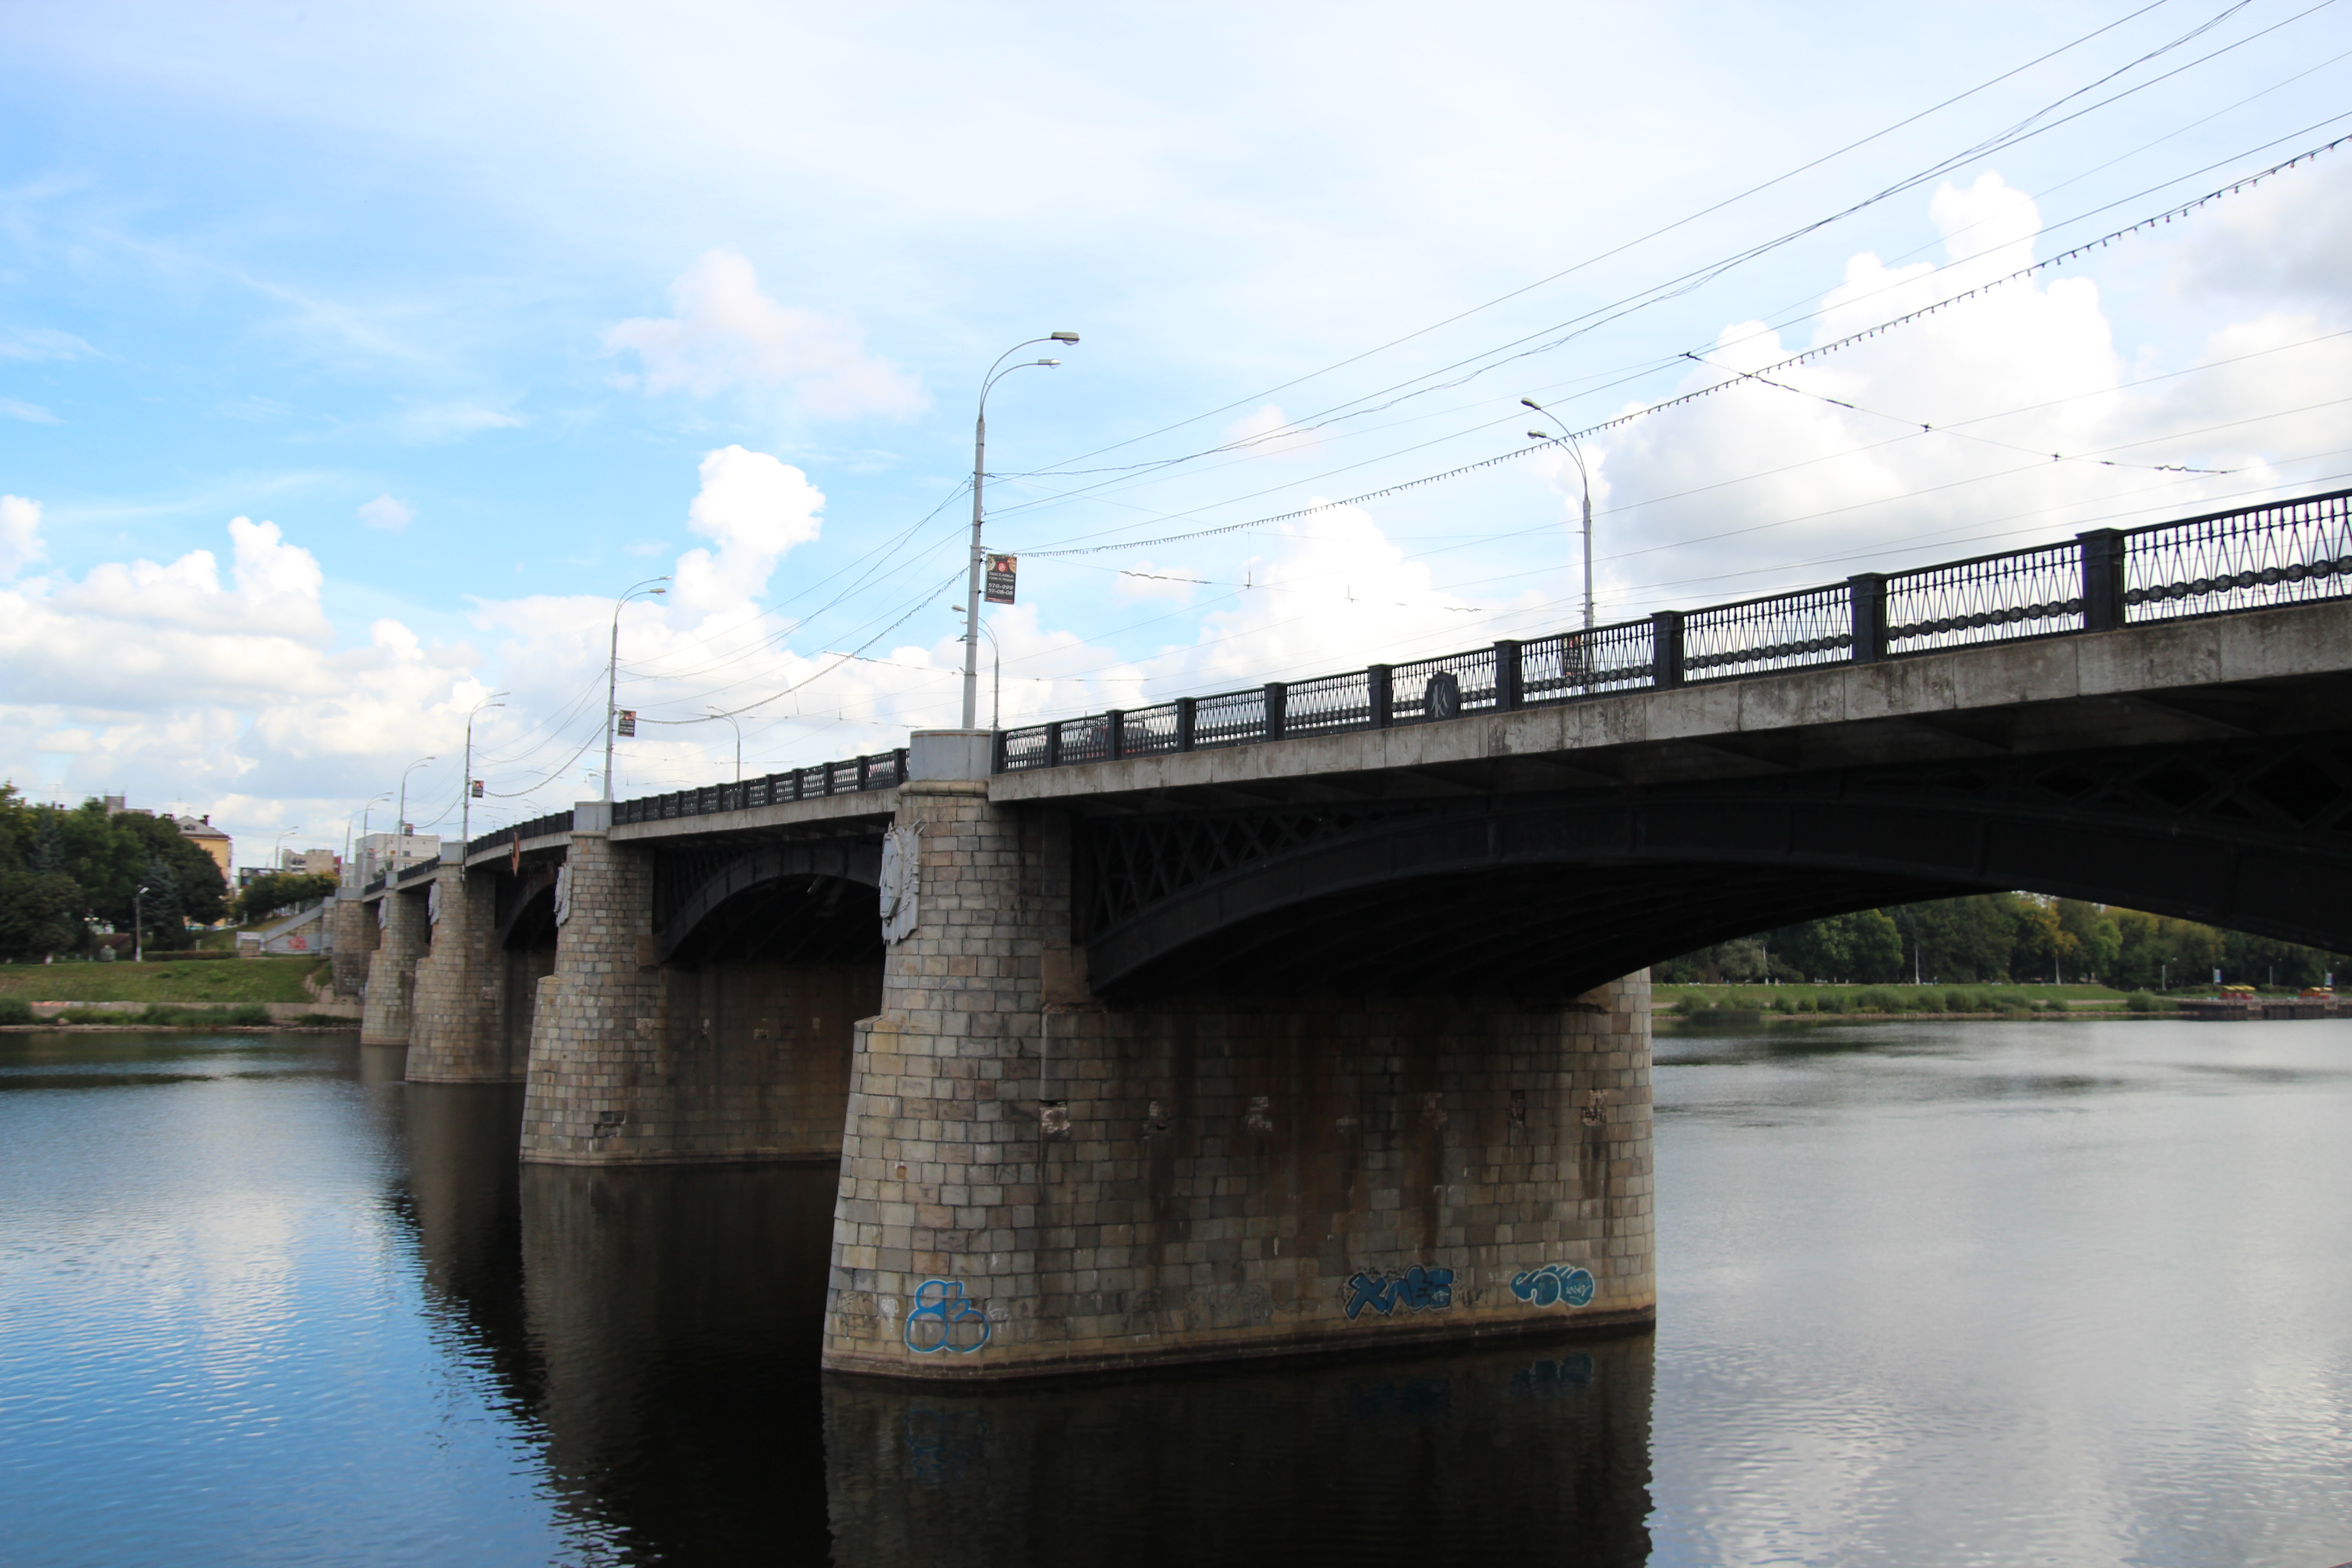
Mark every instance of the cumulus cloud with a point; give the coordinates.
(757, 508)
(1266, 430)
(725, 333)
(387, 513)
(1936, 439)
(20, 534)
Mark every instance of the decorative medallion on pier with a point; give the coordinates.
(902, 875)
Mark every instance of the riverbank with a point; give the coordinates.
(229, 980)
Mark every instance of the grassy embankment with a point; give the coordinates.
(191, 980)
(1847, 1001)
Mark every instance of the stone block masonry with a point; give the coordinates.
(632, 1063)
(458, 1030)
(1033, 1183)
(386, 1018)
(352, 935)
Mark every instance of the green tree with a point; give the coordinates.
(40, 913)
(1864, 947)
(278, 890)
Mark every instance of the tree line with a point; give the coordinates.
(60, 869)
(2005, 939)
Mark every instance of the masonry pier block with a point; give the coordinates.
(458, 1030)
(1035, 1181)
(351, 939)
(404, 932)
(637, 1062)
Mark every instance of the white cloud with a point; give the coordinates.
(1265, 431)
(41, 343)
(757, 508)
(20, 534)
(727, 333)
(30, 413)
(451, 421)
(387, 513)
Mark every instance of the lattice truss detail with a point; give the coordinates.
(678, 873)
(2298, 792)
(1132, 863)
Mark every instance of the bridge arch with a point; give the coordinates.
(822, 892)
(1557, 892)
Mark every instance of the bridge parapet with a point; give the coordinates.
(2254, 558)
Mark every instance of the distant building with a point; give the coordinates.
(214, 842)
(382, 852)
(309, 862)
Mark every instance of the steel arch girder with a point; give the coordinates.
(847, 860)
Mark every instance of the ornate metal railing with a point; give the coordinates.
(554, 822)
(882, 770)
(2223, 562)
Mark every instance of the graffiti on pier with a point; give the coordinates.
(1554, 1284)
(943, 1319)
(1417, 1289)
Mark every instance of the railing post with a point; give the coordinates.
(1276, 695)
(1187, 710)
(1867, 590)
(898, 766)
(1116, 723)
(1666, 649)
(865, 768)
(1379, 682)
(1054, 744)
(996, 756)
(2102, 579)
(1506, 675)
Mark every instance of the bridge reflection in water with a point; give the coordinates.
(659, 1329)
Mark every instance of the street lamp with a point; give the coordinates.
(350, 860)
(612, 673)
(275, 865)
(739, 740)
(400, 820)
(1586, 480)
(138, 927)
(979, 472)
(465, 785)
(996, 681)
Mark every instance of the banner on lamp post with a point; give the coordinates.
(1000, 569)
(628, 725)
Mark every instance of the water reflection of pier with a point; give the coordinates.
(659, 1328)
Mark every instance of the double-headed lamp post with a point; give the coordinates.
(979, 473)
(465, 785)
(996, 664)
(1576, 452)
(612, 673)
(400, 820)
(350, 860)
(738, 728)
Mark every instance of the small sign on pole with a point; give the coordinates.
(628, 721)
(478, 789)
(1000, 569)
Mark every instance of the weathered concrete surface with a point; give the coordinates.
(2060, 693)
(497, 854)
(457, 1032)
(877, 804)
(392, 967)
(1033, 1185)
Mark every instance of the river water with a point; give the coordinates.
(1978, 1293)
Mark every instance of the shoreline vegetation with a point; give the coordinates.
(232, 980)
(1810, 1004)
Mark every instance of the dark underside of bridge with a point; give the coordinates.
(1547, 892)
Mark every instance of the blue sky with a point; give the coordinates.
(478, 314)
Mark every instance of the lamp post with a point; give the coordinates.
(138, 927)
(400, 819)
(979, 473)
(612, 673)
(465, 785)
(350, 860)
(739, 740)
(275, 865)
(996, 678)
(1585, 480)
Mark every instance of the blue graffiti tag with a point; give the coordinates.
(951, 1310)
(1555, 1282)
(1417, 1288)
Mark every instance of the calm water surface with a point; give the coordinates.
(2068, 1293)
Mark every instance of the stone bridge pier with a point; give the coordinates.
(404, 918)
(457, 1031)
(1035, 1180)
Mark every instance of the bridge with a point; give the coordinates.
(1317, 1014)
